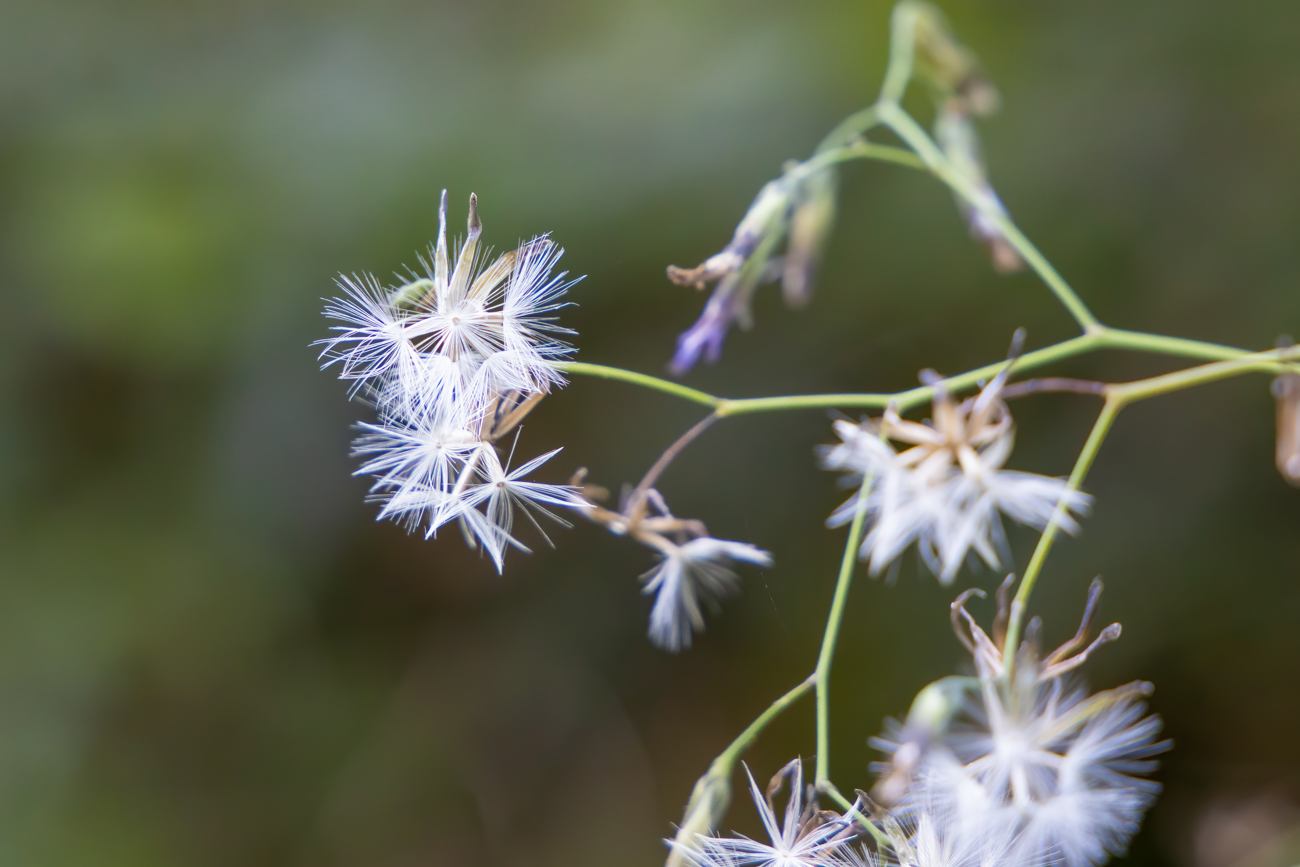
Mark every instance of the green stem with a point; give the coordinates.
(635, 508)
(851, 809)
(712, 791)
(912, 397)
(858, 151)
(1118, 397)
(1118, 338)
(829, 638)
(1081, 466)
(1275, 361)
(1101, 338)
(726, 760)
(850, 128)
(902, 48)
(917, 138)
(653, 382)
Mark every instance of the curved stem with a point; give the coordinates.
(902, 49)
(829, 638)
(645, 380)
(712, 791)
(850, 128)
(919, 140)
(726, 760)
(913, 397)
(862, 150)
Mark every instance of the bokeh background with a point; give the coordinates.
(211, 654)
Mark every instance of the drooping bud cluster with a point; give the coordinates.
(798, 208)
(961, 92)
(453, 360)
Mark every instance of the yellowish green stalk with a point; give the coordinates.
(832, 632)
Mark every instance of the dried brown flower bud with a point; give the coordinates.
(1286, 388)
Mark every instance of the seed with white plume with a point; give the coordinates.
(689, 575)
(453, 359)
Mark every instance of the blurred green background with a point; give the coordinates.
(211, 654)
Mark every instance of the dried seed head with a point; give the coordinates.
(948, 66)
(1286, 390)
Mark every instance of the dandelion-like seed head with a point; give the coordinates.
(453, 359)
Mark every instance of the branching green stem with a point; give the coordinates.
(902, 48)
(1118, 397)
(1100, 338)
(846, 142)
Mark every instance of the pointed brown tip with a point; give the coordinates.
(475, 224)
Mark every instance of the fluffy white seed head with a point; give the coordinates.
(452, 359)
(1060, 770)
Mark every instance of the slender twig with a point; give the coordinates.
(852, 127)
(1052, 383)
(636, 502)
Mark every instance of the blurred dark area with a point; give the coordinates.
(210, 652)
